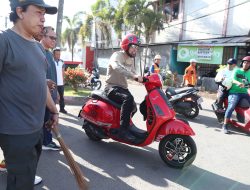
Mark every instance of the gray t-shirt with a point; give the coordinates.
(119, 69)
(23, 85)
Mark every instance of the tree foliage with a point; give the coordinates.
(138, 16)
(142, 18)
(102, 15)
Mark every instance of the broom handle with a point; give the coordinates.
(73, 165)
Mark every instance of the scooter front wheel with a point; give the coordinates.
(177, 151)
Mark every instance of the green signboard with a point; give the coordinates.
(203, 54)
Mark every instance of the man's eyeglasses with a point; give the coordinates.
(52, 37)
(134, 46)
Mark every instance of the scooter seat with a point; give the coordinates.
(244, 103)
(174, 91)
(100, 95)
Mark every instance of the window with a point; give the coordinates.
(171, 9)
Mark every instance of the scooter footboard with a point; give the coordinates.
(174, 126)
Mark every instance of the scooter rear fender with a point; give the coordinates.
(174, 127)
(99, 112)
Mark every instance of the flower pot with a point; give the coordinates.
(75, 87)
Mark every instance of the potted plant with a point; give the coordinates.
(74, 77)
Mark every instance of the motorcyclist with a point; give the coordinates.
(238, 90)
(221, 79)
(94, 74)
(121, 67)
(155, 67)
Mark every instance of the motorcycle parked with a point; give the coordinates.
(94, 82)
(185, 101)
(101, 118)
(241, 119)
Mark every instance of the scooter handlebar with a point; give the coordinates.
(144, 79)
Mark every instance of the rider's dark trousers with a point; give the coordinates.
(126, 100)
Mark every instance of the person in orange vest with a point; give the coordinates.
(155, 68)
(190, 76)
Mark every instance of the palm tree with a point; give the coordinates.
(142, 19)
(71, 33)
(59, 22)
(101, 16)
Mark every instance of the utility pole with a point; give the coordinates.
(59, 22)
(96, 45)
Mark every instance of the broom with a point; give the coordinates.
(82, 183)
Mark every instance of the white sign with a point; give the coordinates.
(204, 53)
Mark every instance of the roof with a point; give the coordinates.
(229, 41)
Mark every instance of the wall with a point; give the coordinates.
(238, 18)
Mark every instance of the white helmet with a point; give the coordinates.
(157, 57)
(227, 83)
(193, 61)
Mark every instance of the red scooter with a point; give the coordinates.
(242, 119)
(101, 121)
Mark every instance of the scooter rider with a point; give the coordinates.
(221, 78)
(237, 91)
(94, 74)
(121, 67)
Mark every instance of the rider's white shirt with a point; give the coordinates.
(223, 74)
(59, 71)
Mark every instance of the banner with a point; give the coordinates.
(203, 54)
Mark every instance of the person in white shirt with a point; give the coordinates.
(224, 76)
(60, 68)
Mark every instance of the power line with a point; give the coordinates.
(197, 31)
(207, 15)
(203, 7)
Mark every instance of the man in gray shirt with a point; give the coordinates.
(23, 92)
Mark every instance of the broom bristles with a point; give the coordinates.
(82, 183)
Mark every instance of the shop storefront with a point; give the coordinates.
(210, 54)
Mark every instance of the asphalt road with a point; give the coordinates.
(222, 161)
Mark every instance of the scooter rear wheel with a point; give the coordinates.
(194, 112)
(91, 135)
(177, 151)
(96, 85)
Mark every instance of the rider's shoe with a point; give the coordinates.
(63, 111)
(126, 135)
(225, 129)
